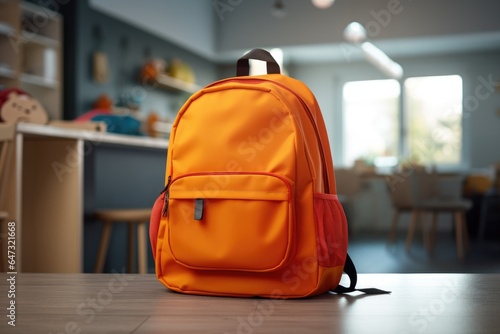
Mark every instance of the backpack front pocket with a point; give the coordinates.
(231, 221)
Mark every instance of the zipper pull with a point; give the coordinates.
(165, 203)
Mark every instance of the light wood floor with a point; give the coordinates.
(112, 303)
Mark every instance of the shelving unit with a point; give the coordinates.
(31, 57)
(170, 83)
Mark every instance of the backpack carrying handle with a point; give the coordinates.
(243, 64)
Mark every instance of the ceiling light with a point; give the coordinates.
(322, 4)
(355, 33)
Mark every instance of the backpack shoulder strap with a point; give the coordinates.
(350, 270)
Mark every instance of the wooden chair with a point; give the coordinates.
(405, 199)
(6, 137)
(133, 218)
(445, 196)
(425, 198)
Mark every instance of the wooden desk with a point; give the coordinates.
(46, 192)
(120, 303)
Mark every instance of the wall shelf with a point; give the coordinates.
(170, 83)
(29, 37)
(7, 72)
(37, 80)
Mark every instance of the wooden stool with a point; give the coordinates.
(132, 217)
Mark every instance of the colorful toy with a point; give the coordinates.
(180, 70)
(17, 106)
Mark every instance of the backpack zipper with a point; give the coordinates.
(318, 137)
(167, 195)
(166, 189)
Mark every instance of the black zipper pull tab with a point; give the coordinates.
(165, 203)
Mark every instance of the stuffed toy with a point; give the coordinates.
(17, 106)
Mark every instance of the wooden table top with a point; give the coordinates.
(132, 303)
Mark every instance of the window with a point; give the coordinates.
(371, 124)
(434, 109)
(432, 127)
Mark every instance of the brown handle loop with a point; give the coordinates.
(243, 64)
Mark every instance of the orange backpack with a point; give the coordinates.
(250, 207)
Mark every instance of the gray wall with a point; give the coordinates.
(124, 62)
(188, 24)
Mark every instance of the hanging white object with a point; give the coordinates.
(380, 60)
(355, 33)
(322, 4)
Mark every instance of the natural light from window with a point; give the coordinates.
(431, 121)
(370, 120)
(434, 109)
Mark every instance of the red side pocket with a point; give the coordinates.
(154, 223)
(331, 226)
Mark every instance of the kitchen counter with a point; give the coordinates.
(92, 136)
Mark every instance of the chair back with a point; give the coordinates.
(450, 187)
(408, 190)
(426, 184)
(401, 190)
(431, 185)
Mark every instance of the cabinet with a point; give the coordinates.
(31, 52)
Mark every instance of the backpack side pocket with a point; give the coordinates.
(154, 222)
(331, 227)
